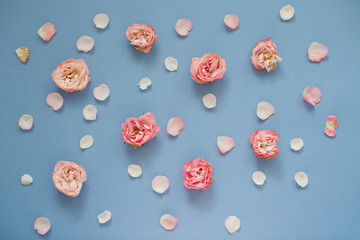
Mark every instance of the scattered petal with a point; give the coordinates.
(231, 21)
(287, 12)
(259, 178)
(331, 125)
(86, 142)
(101, 92)
(232, 224)
(85, 44)
(134, 170)
(209, 100)
(42, 225)
(312, 95)
(183, 27)
(175, 125)
(225, 144)
(160, 184)
(55, 101)
(296, 144)
(104, 217)
(90, 112)
(26, 122)
(47, 31)
(171, 64)
(101, 20)
(317, 52)
(144, 83)
(264, 110)
(168, 222)
(26, 179)
(301, 179)
(23, 53)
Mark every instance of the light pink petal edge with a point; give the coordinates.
(225, 144)
(55, 101)
(47, 31)
(183, 26)
(331, 125)
(168, 222)
(317, 52)
(264, 110)
(312, 95)
(175, 125)
(231, 21)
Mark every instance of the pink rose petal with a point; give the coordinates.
(183, 27)
(331, 125)
(168, 222)
(85, 44)
(101, 92)
(232, 224)
(42, 225)
(209, 100)
(101, 20)
(317, 52)
(26, 122)
(23, 53)
(231, 21)
(90, 112)
(287, 12)
(175, 125)
(312, 95)
(264, 110)
(55, 101)
(225, 144)
(160, 184)
(47, 31)
(86, 142)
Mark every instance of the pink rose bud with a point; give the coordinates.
(207, 68)
(264, 143)
(141, 36)
(264, 55)
(197, 174)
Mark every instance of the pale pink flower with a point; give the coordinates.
(207, 68)
(197, 174)
(264, 55)
(141, 36)
(264, 143)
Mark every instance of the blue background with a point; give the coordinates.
(327, 209)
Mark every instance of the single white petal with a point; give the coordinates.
(259, 178)
(171, 64)
(301, 179)
(168, 222)
(225, 144)
(85, 44)
(101, 92)
(264, 110)
(232, 224)
(134, 170)
(287, 12)
(296, 144)
(209, 100)
(144, 83)
(86, 141)
(42, 225)
(90, 112)
(101, 20)
(104, 217)
(160, 184)
(26, 122)
(26, 179)
(55, 101)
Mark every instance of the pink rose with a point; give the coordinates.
(142, 36)
(68, 178)
(197, 174)
(264, 143)
(207, 68)
(71, 75)
(137, 131)
(264, 55)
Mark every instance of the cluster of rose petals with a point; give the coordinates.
(264, 143)
(137, 131)
(141, 36)
(101, 20)
(26, 122)
(168, 222)
(71, 75)
(42, 225)
(183, 26)
(23, 53)
(231, 21)
(85, 43)
(265, 55)
(68, 178)
(47, 31)
(312, 95)
(317, 52)
(331, 125)
(197, 174)
(175, 125)
(225, 144)
(207, 68)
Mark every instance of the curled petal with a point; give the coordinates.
(225, 144)
(47, 31)
(55, 101)
(168, 222)
(171, 64)
(312, 95)
(134, 170)
(259, 178)
(287, 12)
(104, 217)
(209, 100)
(296, 144)
(85, 44)
(26, 122)
(175, 125)
(101, 20)
(232, 224)
(183, 27)
(317, 52)
(86, 142)
(101, 92)
(301, 179)
(144, 83)
(331, 125)
(42, 225)
(264, 110)
(231, 21)
(160, 184)
(26, 179)
(90, 112)
(23, 53)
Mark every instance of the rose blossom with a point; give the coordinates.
(264, 143)
(71, 75)
(68, 178)
(264, 55)
(197, 174)
(137, 131)
(207, 68)
(142, 36)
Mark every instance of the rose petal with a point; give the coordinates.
(259, 178)
(232, 224)
(296, 144)
(101, 92)
(264, 110)
(86, 142)
(23, 53)
(168, 222)
(331, 125)
(231, 21)
(225, 144)
(26, 179)
(171, 64)
(90, 112)
(175, 125)
(85, 44)
(134, 170)
(26, 122)
(209, 100)
(312, 95)
(101, 20)
(47, 31)
(55, 101)
(144, 83)
(104, 217)
(317, 52)
(160, 184)
(287, 12)
(183, 27)
(42, 225)
(301, 179)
